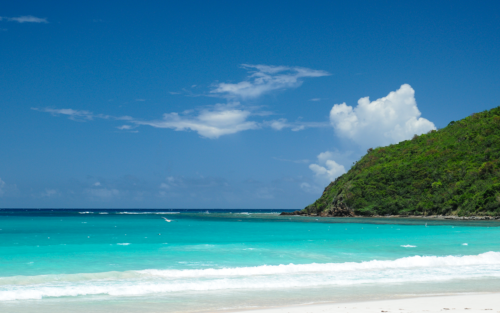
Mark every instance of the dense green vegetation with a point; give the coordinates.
(452, 171)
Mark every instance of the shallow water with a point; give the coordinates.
(131, 261)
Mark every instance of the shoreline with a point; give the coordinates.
(438, 217)
(475, 302)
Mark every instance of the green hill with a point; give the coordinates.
(452, 171)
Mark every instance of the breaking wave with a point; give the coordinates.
(152, 281)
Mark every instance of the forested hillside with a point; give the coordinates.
(452, 171)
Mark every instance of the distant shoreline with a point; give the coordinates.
(439, 217)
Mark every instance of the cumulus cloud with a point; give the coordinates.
(327, 169)
(387, 120)
(264, 79)
(211, 122)
(25, 19)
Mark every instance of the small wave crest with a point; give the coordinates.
(402, 263)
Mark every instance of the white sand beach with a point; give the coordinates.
(489, 302)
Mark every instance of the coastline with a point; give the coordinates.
(479, 302)
(439, 217)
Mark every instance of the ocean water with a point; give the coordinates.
(197, 261)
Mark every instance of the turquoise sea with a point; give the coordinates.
(198, 260)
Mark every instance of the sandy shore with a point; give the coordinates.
(484, 303)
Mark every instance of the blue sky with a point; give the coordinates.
(226, 104)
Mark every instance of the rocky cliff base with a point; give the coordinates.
(338, 211)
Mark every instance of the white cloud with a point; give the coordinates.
(282, 123)
(25, 19)
(221, 119)
(209, 122)
(325, 156)
(81, 115)
(328, 170)
(387, 120)
(72, 114)
(264, 79)
(279, 124)
(125, 127)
